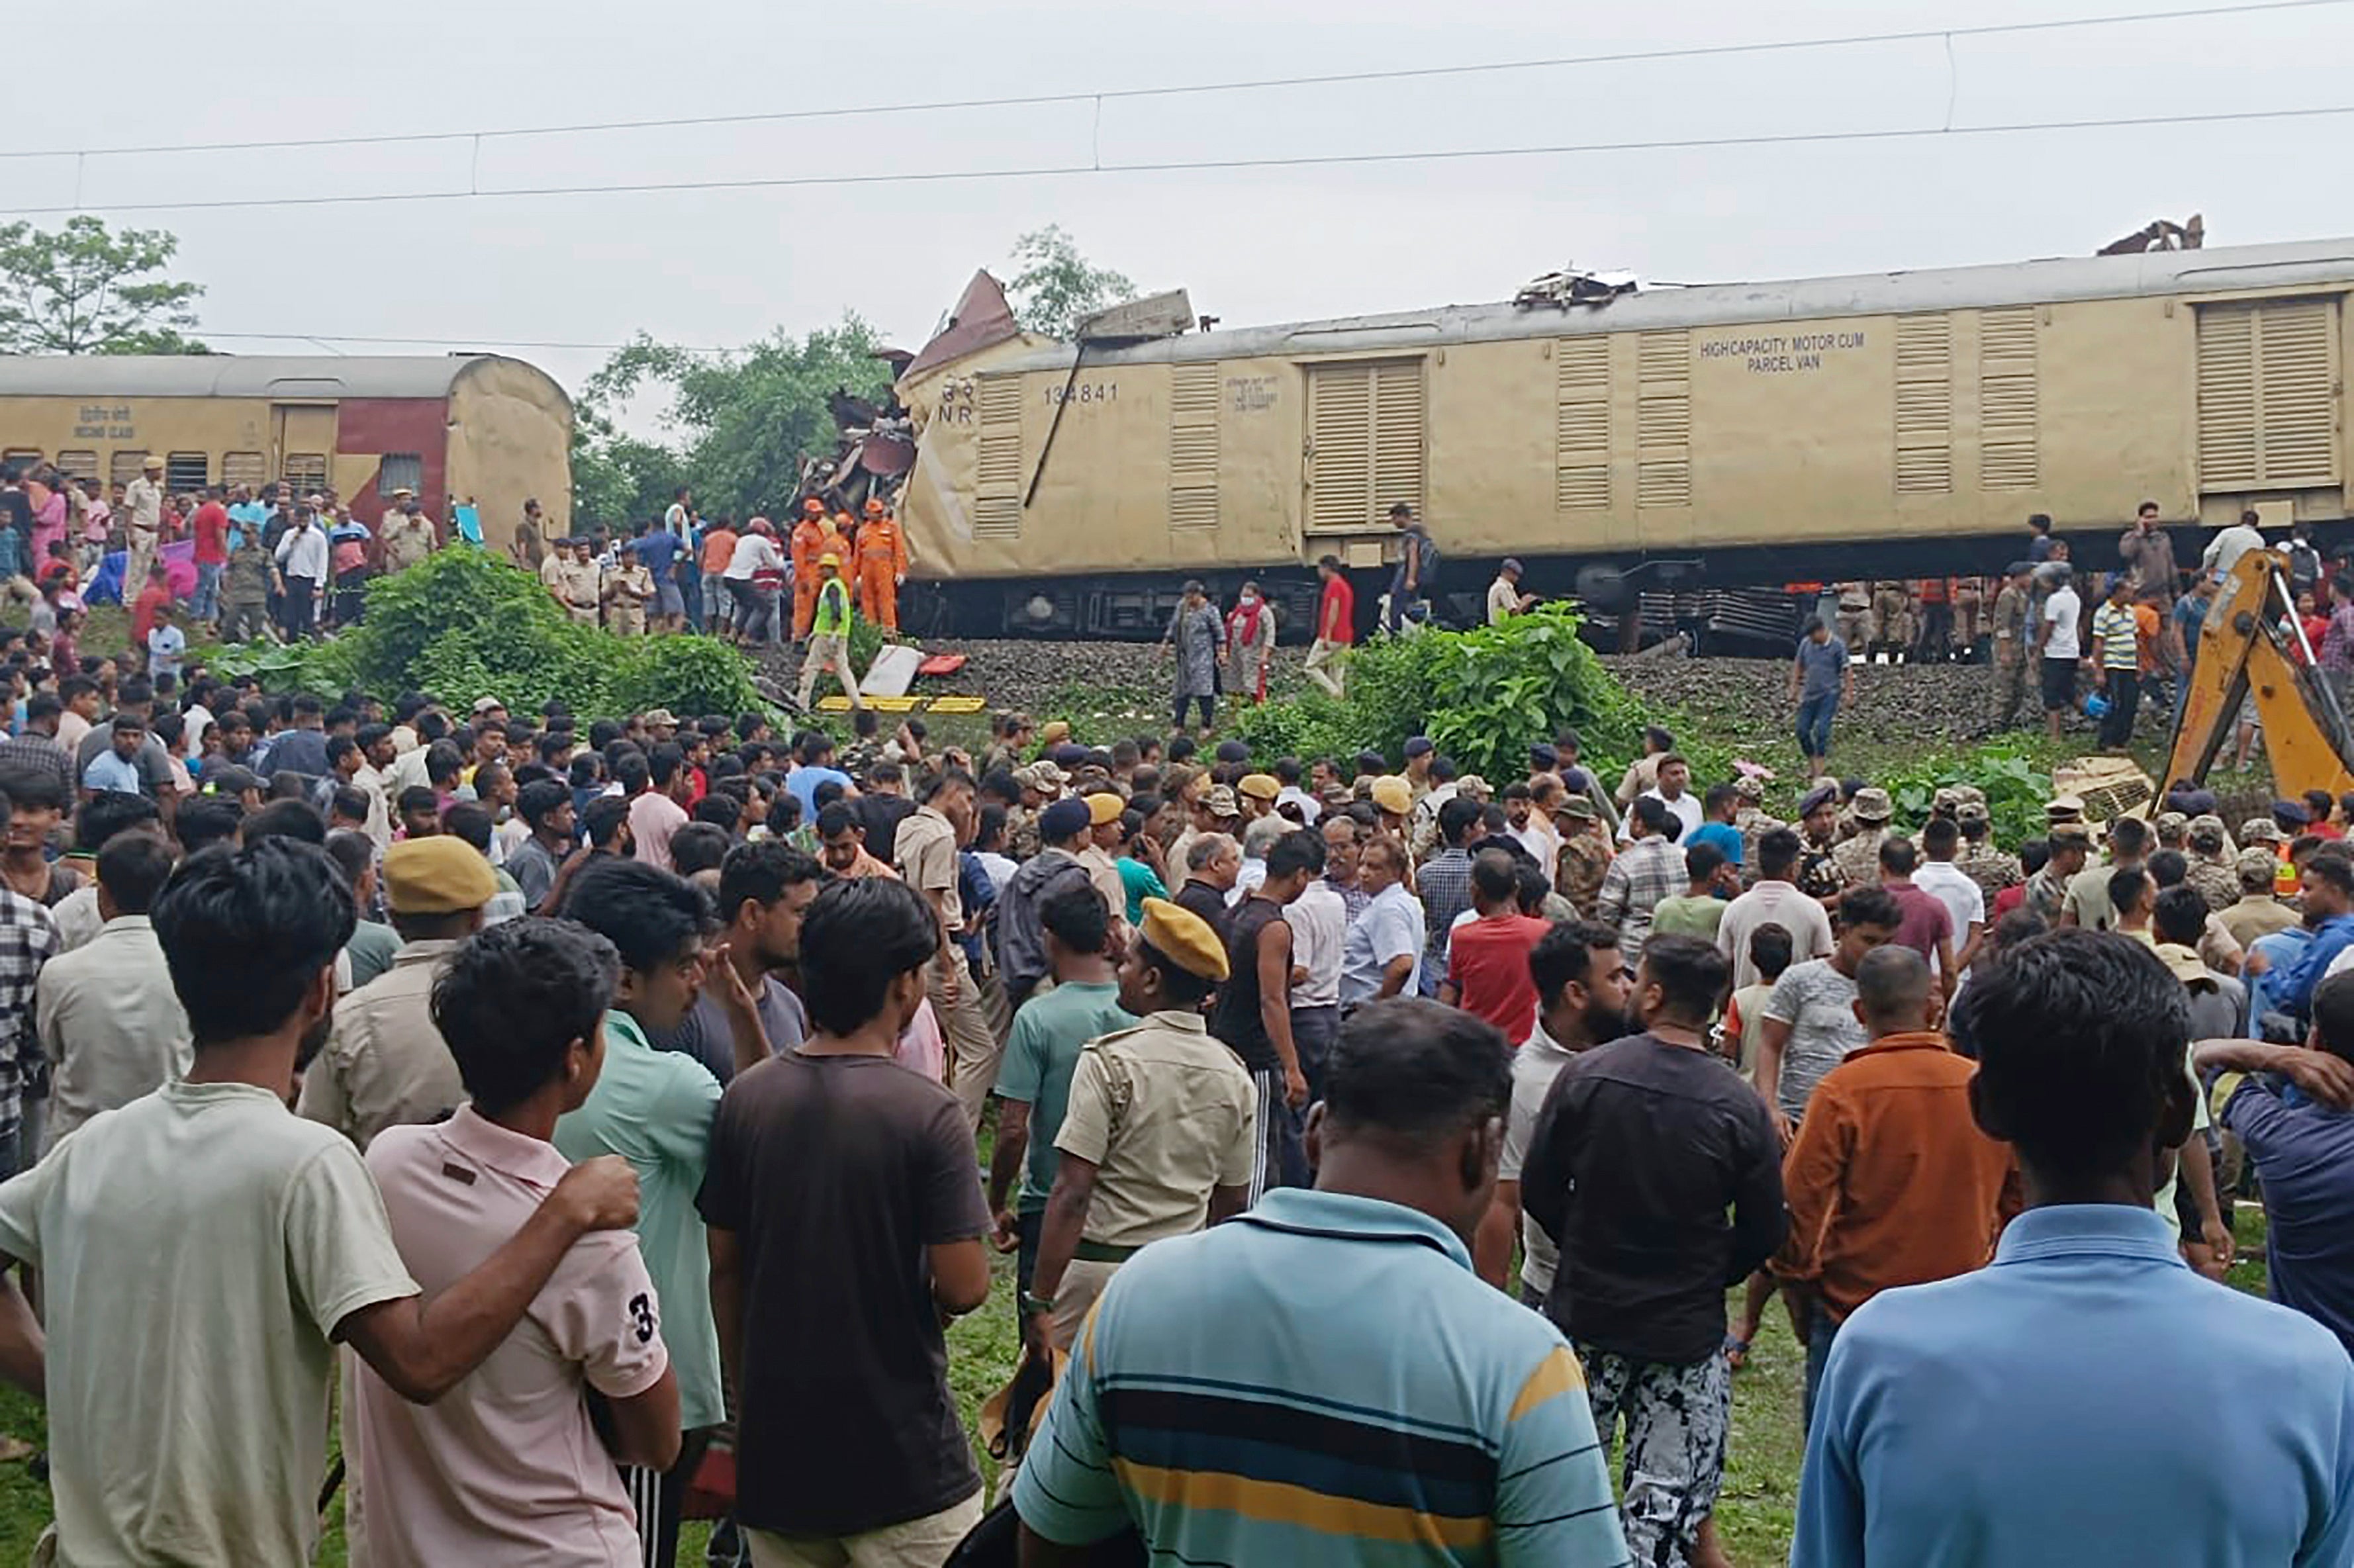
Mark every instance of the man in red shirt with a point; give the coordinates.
(154, 597)
(1336, 627)
(210, 528)
(1488, 958)
(1925, 924)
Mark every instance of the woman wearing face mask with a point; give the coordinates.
(1250, 645)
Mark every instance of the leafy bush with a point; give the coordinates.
(461, 625)
(2015, 790)
(1482, 696)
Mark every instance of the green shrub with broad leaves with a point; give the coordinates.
(1482, 696)
(461, 625)
(2015, 789)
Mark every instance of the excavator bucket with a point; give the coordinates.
(2253, 653)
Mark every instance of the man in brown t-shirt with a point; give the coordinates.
(845, 1223)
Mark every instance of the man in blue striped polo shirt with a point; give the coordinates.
(1323, 1380)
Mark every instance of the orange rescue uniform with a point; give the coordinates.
(808, 541)
(882, 562)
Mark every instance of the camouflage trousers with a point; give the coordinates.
(1677, 1418)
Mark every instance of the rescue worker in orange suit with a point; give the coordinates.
(882, 566)
(807, 542)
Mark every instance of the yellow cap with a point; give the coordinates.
(1394, 794)
(1185, 938)
(437, 875)
(1105, 807)
(1057, 732)
(830, 560)
(1259, 785)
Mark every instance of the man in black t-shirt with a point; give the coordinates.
(845, 1223)
(1643, 1150)
(1253, 1016)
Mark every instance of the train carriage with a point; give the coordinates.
(477, 425)
(1897, 424)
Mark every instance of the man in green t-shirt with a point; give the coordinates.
(1033, 1084)
(829, 639)
(1698, 911)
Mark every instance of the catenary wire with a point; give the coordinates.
(1027, 100)
(1191, 165)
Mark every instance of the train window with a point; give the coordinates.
(21, 457)
(123, 467)
(187, 470)
(244, 468)
(305, 471)
(400, 471)
(79, 465)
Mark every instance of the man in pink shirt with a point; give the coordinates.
(654, 811)
(508, 1465)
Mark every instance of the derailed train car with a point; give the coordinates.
(1729, 436)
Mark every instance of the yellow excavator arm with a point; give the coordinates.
(2253, 647)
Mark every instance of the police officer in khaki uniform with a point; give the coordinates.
(1104, 809)
(1859, 858)
(1158, 1134)
(407, 533)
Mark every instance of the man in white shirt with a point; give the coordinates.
(144, 497)
(1938, 876)
(2056, 634)
(1288, 771)
(1320, 930)
(303, 565)
(108, 1019)
(756, 605)
(211, 1191)
(1583, 992)
(1505, 598)
(1675, 777)
(1773, 901)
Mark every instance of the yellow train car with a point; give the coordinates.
(476, 426)
(1897, 424)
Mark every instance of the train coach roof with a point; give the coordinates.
(237, 375)
(2319, 262)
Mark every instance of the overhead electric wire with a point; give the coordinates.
(1191, 166)
(332, 337)
(1042, 100)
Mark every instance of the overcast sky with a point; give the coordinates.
(720, 266)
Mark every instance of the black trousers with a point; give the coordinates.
(302, 606)
(2124, 691)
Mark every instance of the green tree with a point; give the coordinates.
(746, 420)
(83, 289)
(1056, 288)
(619, 478)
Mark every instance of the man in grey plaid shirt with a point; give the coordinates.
(1648, 870)
(1444, 883)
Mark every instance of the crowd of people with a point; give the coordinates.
(610, 1114)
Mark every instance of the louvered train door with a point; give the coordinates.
(2269, 390)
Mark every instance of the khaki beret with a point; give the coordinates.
(1258, 786)
(437, 875)
(1222, 803)
(1055, 733)
(1185, 938)
(1104, 807)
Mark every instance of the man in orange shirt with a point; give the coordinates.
(1890, 1182)
(718, 604)
(807, 544)
(882, 566)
